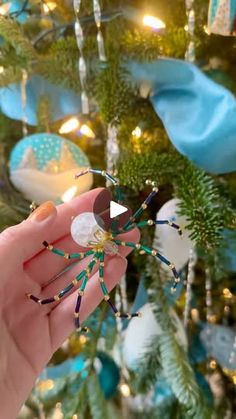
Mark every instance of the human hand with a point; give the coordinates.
(30, 333)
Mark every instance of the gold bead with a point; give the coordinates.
(74, 282)
(103, 173)
(144, 206)
(172, 266)
(150, 222)
(102, 264)
(122, 243)
(39, 302)
(81, 255)
(138, 245)
(79, 329)
(154, 252)
(139, 314)
(50, 247)
(117, 314)
(101, 279)
(28, 295)
(155, 189)
(56, 297)
(81, 293)
(129, 317)
(87, 270)
(148, 182)
(76, 315)
(66, 256)
(142, 252)
(107, 297)
(173, 290)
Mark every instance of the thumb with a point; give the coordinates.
(24, 240)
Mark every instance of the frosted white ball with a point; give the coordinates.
(85, 229)
(140, 333)
(167, 240)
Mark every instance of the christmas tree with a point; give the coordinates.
(145, 91)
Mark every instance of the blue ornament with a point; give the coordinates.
(199, 115)
(42, 167)
(63, 102)
(107, 371)
(16, 10)
(219, 343)
(221, 17)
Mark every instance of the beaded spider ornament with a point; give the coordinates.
(101, 243)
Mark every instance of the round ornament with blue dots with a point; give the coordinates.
(42, 167)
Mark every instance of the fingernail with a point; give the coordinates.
(44, 211)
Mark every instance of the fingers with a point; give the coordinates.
(47, 223)
(61, 317)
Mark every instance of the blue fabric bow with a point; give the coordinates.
(198, 114)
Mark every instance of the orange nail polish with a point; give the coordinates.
(43, 212)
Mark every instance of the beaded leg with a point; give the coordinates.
(82, 275)
(144, 249)
(103, 173)
(144, 205)
(65, 255)
(107, 296)
(81, 291)
(160, 222)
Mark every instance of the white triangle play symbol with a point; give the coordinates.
(116, 209)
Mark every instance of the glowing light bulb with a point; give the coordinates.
(153, 22)
(71, 125)
(88, 132)
(1, 69)
(49, 6)
(69, 194)
(137, 132)
(227, 293)
(4, 9)
(125, 390)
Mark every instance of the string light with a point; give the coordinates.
(227, 294)
(137, 132)
(87, 131)
(153, 22)
(125, 390)
(4, 9)
(69, 194)
(49, 6)
(1, 69)
(71, 125)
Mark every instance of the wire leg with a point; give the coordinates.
(159, 222)
(66, 255)
(106, 293)
(82, 275)
(149, 251)
(142, 208)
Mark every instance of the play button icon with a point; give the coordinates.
(116, 209)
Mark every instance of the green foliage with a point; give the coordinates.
(173, 359)
(12, 32)
(200, 203)
(148, 368)
(96, 399)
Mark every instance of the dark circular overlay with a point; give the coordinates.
(101, 210)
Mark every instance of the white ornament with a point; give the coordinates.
(174, 247)
(140, 332)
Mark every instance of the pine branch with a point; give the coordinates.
(200, 203)
(148, 368)
(135, 169)
(96, 399)
(10, 75)
(173, 359)
(12, 32)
